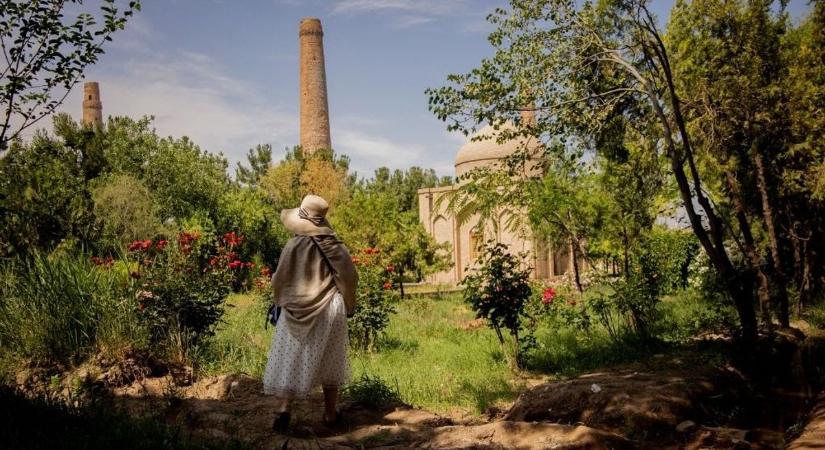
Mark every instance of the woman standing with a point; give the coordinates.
(314, 285)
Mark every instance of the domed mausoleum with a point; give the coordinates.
(465, 239)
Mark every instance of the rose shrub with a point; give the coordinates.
(182, 284)
(499, 291)
(376, 298)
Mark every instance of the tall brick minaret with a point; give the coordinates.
(92, 107)
(314, 107)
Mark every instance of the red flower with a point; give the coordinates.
(161, 244)
(250, 265)
(387, 285)
(185, 238)
(213, 260)
(134, 245)
(235, 264)
(391, 268)
(232, 239)
(355, 260)
(141, 306)
(548, 295)
(265, 272)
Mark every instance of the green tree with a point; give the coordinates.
(260, 159)
(44, 52)
(125, 210)
(43, 196)
(580, 63)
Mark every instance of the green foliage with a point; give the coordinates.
(182, 286)
(260, 160)
(498, 292)
(658, 265)
(46, 55)
(124, 207)
(43, 198)
(435, 360)
(60, 308)
(383, 213)
(248, 212)
(241, 344)
(376, 299)
(372, 391)
(688, 315)
(184, 178)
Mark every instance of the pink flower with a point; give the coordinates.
(387, 285)
(161, 244)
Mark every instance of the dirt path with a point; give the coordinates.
(666, 402)
(662, 404)
(232, 408)
(813, 435)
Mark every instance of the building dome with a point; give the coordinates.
(486, 151)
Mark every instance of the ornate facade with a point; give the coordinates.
(465, 238)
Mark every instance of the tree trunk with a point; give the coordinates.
(574, 255)
(712, 239)
(401, 281)
(770, 227)
(753, 258)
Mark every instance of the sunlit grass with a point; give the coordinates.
(434, 355)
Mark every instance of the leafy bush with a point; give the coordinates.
(182, 285)
(375, 298)
(690, 314)
(372, 391)
(658, 265)
(499, 292)
(124, 208)
(57, 309)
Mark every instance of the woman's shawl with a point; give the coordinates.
(310, 270)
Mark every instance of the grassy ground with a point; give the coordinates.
(433, 354)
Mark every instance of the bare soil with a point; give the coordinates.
(665, 402)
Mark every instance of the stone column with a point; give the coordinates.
(92, 107)
(314, 110)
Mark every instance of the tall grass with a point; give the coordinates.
(241, 343)
(59, 308)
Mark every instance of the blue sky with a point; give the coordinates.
(225, 73)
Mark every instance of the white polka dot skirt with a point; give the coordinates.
(295, 367)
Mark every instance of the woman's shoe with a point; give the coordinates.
(281, 423)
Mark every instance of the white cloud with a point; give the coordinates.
(368, 151)
(189, 94)
(469, 16)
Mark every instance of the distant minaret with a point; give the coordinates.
(92, 108)
(314, 107)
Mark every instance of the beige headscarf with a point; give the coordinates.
(313, 266)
